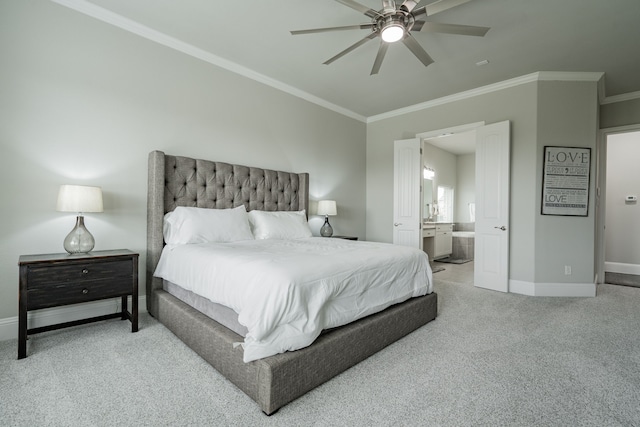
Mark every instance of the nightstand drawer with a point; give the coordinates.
(54, 295)
(47, 275)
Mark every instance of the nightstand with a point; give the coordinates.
(345, 237)
(54, 280)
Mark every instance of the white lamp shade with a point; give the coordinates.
(327, 207)
(79, 198)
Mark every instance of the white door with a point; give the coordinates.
(492, 207)
(407, 196)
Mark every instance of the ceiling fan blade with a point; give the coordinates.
(379, 57)
(419, 11)
(350, 48)
(442, 5)
(417, 50)
(408, 5)
(360, 8)
(322, 30)
(439, 27)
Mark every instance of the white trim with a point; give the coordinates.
(148, 33)
(619, 267)
(601, 192)
(134, 27)
(552, 289)
(621, 98)
(620, 129)
(455, 129)
(69, 313)
(529, 78)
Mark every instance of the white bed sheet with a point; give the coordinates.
(287, 291)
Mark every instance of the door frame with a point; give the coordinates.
(601, 194)
(446, 131)
(452, 130)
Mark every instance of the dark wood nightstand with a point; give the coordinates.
(53, 280)
(345, 237)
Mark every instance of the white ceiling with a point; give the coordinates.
(526, 36)
(455, 143)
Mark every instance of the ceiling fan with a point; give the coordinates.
(395, 23)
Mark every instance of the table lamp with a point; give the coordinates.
(326, 208)
(80, 199)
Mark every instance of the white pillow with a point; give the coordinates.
(198, 225)
(279, 225)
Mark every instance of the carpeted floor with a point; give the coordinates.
(489, 359)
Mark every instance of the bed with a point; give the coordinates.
(278, 379)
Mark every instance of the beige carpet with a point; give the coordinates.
(489, 359)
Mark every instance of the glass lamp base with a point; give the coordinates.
(326, 230)
(79, 241)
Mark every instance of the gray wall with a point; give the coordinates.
(622, 237)
(84, 102)
(541, 113)
(567, 116)
(516, 104)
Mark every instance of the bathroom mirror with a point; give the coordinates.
(427, 208)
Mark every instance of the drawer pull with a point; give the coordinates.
(85, 271)
(85, 291)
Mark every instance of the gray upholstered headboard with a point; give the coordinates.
(182, 181)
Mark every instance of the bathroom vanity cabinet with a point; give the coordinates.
(437, 239)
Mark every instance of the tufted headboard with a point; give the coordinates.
(183, 181)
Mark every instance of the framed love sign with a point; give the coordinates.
(565, 182)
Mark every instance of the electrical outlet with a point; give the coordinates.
(567, 270)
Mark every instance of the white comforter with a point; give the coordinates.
(287, 291)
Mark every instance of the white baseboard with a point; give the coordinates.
(68, 313)
(552, 289)
(619, 267)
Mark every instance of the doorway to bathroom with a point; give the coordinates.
(469, 167)
(619, 219)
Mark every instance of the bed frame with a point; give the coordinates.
(276, 380)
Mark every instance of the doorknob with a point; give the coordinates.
(503, 228)
(395, 224)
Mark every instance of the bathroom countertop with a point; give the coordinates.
(427, 225)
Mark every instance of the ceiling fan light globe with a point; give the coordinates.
(392, 33)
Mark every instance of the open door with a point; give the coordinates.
(407, 195)
(492, 207)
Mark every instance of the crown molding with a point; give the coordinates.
(104, 15)
(134, 27)
(529, 78)
(621, 98)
